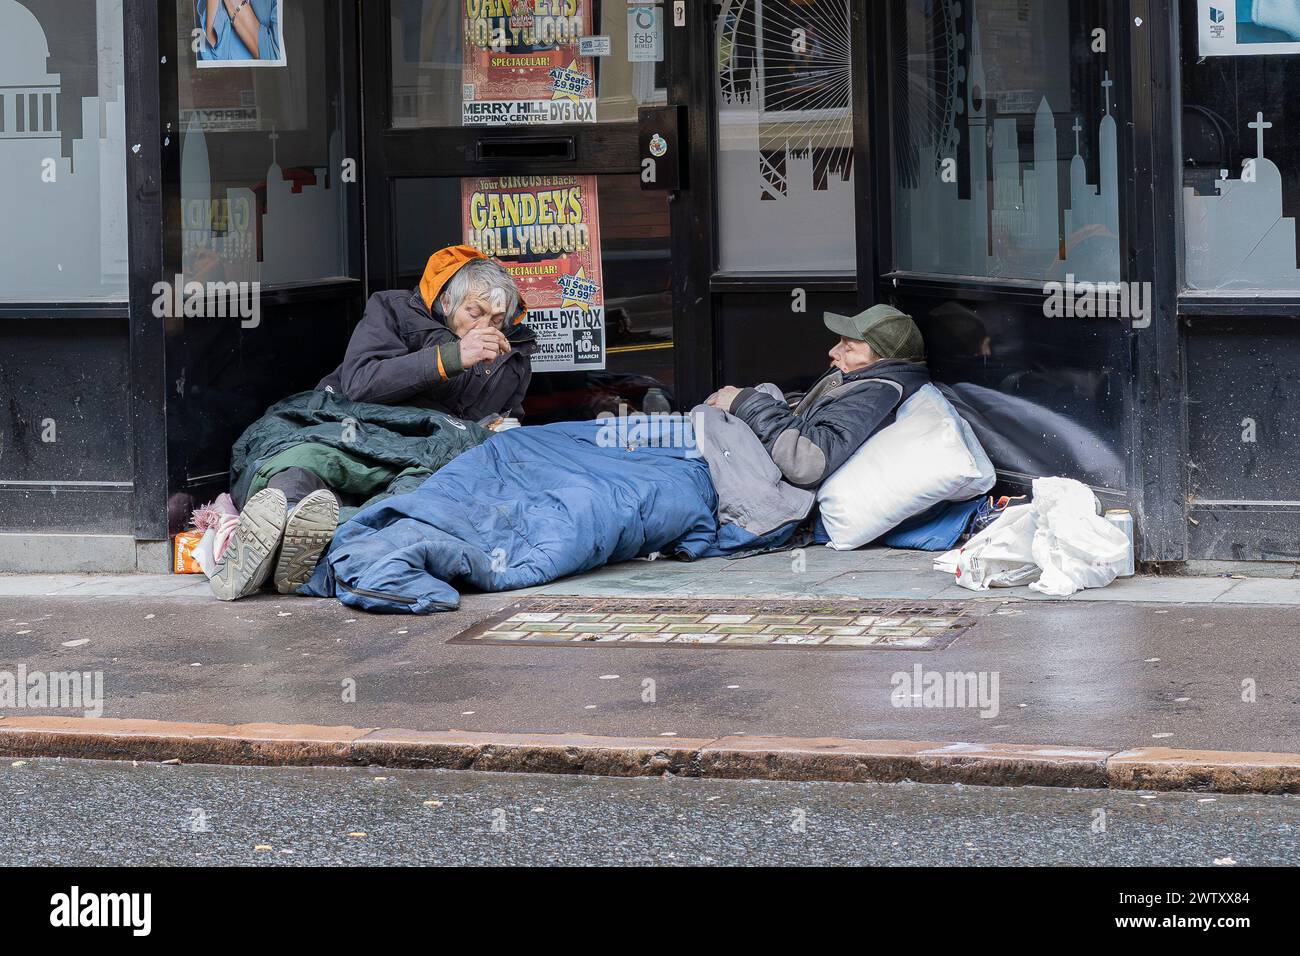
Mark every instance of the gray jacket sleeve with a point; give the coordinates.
(808, 448)
(380, 367)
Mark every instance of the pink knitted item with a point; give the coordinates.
(220, 516)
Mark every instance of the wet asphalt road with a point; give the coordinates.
(92, 813)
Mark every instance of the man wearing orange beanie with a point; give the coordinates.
(457, 343)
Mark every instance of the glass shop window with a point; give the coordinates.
(62, 151)
(493, 63)
(1005, 126)
(784, 99)
(262, 162)
(1241, 146)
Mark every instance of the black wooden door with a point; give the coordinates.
(515, 128)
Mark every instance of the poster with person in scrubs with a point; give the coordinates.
(239, 33)
(1248, 27)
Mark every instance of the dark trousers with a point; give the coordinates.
(297, 483)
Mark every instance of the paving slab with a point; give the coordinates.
(613, 587)
(817, 559)
(103, 585)
(32, 584)
(1159, 589)
(1261, 591)
(955, 592)
(757, 584)
(142, 585)
(919, 585)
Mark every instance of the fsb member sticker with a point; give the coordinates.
(588, 347)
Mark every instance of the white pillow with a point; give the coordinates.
(927, 455)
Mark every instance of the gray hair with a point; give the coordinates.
(486, 278)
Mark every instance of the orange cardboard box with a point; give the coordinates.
(185, 562)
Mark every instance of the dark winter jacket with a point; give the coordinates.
(839, 413)
(403, 353)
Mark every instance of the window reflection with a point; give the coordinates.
(1044, 398)
(262, 197)
(62, 152)
(1005, 141)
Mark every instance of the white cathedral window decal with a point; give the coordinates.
(1237, 237)
(69, 203)
(1013, 224)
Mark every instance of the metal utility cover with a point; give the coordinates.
(712, 623)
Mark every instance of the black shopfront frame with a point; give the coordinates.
(1152, 422)
(174, 471)
(706, 300)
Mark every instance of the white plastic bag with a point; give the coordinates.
(1059, 540)
(1076, 547)
(1000, 556)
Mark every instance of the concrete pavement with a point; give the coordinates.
(1149, 662)
(1069, 674)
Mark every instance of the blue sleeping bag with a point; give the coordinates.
(528, 506)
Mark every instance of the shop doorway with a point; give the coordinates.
(493, 124)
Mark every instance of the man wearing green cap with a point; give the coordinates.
(878, 363)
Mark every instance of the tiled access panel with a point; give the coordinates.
(626, 622)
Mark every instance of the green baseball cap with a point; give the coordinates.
(890, 333)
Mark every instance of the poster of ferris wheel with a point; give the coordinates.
(785, 133)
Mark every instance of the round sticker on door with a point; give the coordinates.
(658, 145)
